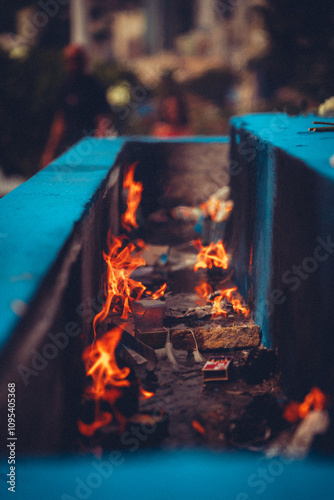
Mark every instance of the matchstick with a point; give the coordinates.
(321, 129)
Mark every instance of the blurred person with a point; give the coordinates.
(81, 108)
(173, 119)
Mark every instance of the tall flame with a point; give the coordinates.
(107, 378)
(128, 219)
(120, 289)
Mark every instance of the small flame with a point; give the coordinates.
(217, 310)
(128, 219)
(159, 293)
(234, 297)
(314, 400)
(211, 256)
(145, 394)
(107, 378)
(214, 255)
(203, 289)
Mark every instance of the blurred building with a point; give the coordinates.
(123, 30)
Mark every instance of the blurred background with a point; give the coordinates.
(226, 57)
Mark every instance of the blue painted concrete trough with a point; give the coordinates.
(52, 232)
(53, 229)
(283, 222)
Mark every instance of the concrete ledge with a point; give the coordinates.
(38, 218)
(176, 474)
(283, 221)
(53, 226)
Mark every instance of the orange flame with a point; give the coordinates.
(213, 255)
(120, 289)
(128, 219)
(145, 394)
(250, 258)
(159, 293)
(103, 418)
(217, 209)
(203, 289)
(198, 427)
(234, 297)
(107, 378)
(211, 207)
(314, 400)
(217, 310)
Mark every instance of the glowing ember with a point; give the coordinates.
(198, 427)
(128, 219)
(314, 400)
(211, 256)
(233, 296)
(107, 378)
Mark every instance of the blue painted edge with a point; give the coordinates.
(266, 194)
(223, 139)
(195, 474)
(38, 217)
(291, 134)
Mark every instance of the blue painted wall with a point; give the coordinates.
(192, 474)
(283, 188)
